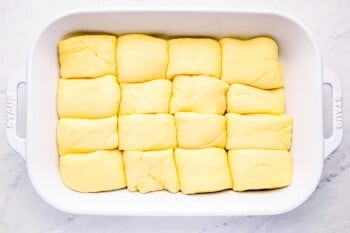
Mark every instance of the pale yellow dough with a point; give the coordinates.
(93, 172)
(203, 170)
(253, 62)
(260, 169)
(259, 131)
(194, 56)
(149, 171)
(86, 135)
(200, 94)
(146, 132)
(196, 130)
(170, 97)
(141, 58)
(87, 56)
(148, 97)
(88, 98)
(245, 99)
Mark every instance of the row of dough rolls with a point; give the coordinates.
(136, 58)
(155, 109)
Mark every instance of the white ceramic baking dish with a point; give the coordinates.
(304, 77)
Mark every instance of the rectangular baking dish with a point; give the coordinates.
(304, 76)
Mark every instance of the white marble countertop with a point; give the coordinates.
(22, 210)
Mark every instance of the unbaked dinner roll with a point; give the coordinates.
(245, 99)
(87, 56)
(93, 172)
(194, 56)
(260, 169)
(146, 132)
(148, 171)
(197, 130)
(259, 131)
(88, 98)
(253, 62)
(203, 170)
(200, 94)
(141, 58)
(86, 135)
(148, 97)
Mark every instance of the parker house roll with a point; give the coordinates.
(87, 56)
(93, 172)
(194, 56)
(198, 130)
(244, 99)
(148, 171)
(200, 94)
(141, 58)
(253, 62)
(203, 170)
(143, 132)
(260, 169)
(147, 97)
(88, 98)
(86, 135)
(259, 131)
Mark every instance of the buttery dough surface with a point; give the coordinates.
(87, 56)
(253, 62)
(196, 130)
(194, 56)
(244, 99)
(141, 58)
(203, 170)
(259, 131)
(86, 135)
(195, 115)
(148, 97)
(88, 98)
(148, 171)
(93, 172)
(146, 132)
(260, 169)
(200, 94)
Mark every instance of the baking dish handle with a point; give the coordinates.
(16, 142)
(331, 143)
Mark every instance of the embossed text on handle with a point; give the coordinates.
(10, 111)
(338, 111)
